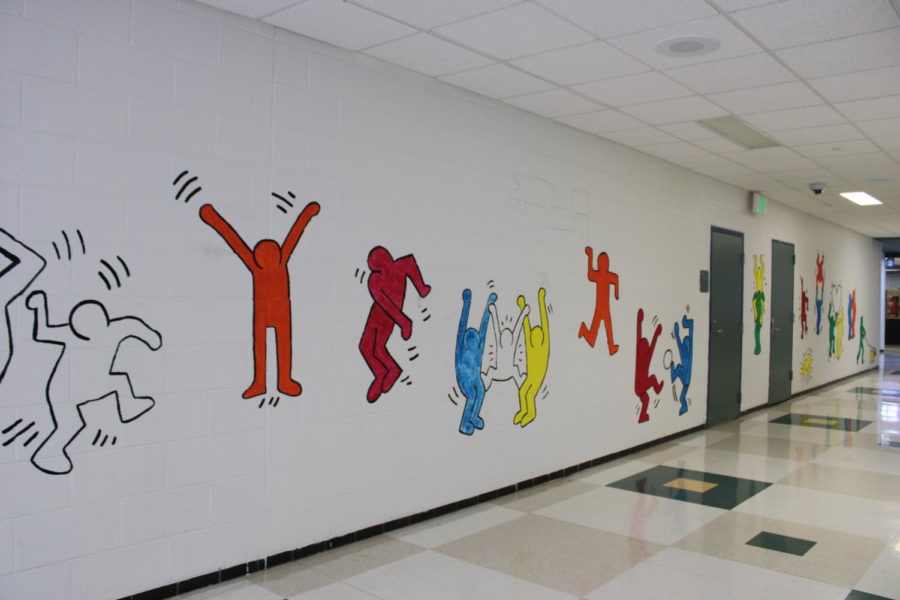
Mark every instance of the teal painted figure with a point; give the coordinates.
(759, 300)
(469, 354)
(861, 353)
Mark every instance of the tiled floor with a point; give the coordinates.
(795, 501)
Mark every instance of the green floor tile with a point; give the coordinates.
(709, 489)
(804, 420)
(781, 543)
(858, 595)
(876, 391)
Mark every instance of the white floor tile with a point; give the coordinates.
(615, 471)
(884, 460)
(335, 591)
(237, 590)
(454, 526)
(850, 514)
(883, 577)
(747, 466)
(641, 516)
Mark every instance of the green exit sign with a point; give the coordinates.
(759, 203)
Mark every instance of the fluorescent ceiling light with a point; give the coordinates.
(738, 132)
(861, 198)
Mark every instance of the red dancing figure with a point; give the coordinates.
(643, 380)
(604, 278)
(387, 285)
(804, 306)
(267, 263)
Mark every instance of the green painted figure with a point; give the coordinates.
(759, 299)
(861, 353)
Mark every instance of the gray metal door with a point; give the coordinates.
(726, 290)
(781, 325)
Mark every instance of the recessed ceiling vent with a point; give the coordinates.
(739, 132)
(683, 46)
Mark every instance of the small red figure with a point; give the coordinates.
(387, 285)
(643, 380)
(604, 278)
(804, 306)
(267, 263)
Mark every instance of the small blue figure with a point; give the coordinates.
(469, 354)
(686, 353)
(819, 302)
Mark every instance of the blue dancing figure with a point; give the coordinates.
(686, 353)
(469, 354)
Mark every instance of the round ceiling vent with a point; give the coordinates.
(687, 46)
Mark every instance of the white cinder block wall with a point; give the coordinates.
(104, 104)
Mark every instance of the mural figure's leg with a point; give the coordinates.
(283, 348)
(258, 387)
(52, 456)
(683, 399)
(381, 353)
(130, 407)
(465, 425)
(530, 408)
(475, 419)
(613, 347)
(645, 402)
(590, 335)
(367, 348)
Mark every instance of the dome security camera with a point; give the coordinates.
(817, 188)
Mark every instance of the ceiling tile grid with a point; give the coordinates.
(819, 77)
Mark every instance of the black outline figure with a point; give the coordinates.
(504, 365)
(25, 265)
(90, 328)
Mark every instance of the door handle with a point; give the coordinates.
(717, 331)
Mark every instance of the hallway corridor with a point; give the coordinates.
(798, 501)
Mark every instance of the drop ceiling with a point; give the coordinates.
(819, 77)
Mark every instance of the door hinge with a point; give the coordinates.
(739, 399)
(791, 375)
(793, 259)
(742, 258)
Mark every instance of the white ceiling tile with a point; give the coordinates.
(818, 135)
(577, 64)
(611, 18)
(856, 86)
(554, 103)
(673, 150)
(642, 45)
(429, 55)
(727, 170)
(602, 121)
(516, 31)
(855, 53)
(497, 81)
(730, 5)
(432, 13)
(888, 142)
(763, 156)
(339, 23)
(866, 110)
(771, 97)
(881, 127)
(640, 136)
(794, 118)
(644, 87)
(777, 166)
(878, 160)
(802, 177)
(798, 22)
(836, 148)
(732, 74)
(719, 145)
(251, 8)
(705, 160)
(692, 108)
(690, 131)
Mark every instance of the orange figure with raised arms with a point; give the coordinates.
(604, 278)
(267, 263)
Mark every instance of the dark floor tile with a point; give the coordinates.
(709, 489)
(826, 422)
(875, 391)
(858, 595)
(781, 543)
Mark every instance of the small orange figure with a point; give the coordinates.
(267, 263)
(604, 278)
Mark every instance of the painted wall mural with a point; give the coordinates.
(806, 366)
(644, 381)
(97, 338)
(470, 344)
(804, 309)
(267, 263)
(758, 301)
(88, 333)
(861, 352)
(851, 315)
(387, 286)
(603, 279)
(684, 342)
(537, 359)
(820, 290)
